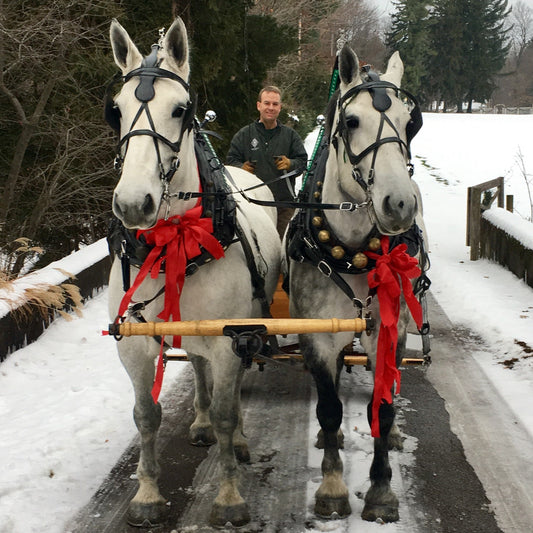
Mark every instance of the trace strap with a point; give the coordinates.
(391, 277)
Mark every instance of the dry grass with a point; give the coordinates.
(44, 298)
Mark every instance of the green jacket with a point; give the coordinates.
(258, 145)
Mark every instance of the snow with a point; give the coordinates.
(66, 402)
(520, 229)
(55, 273)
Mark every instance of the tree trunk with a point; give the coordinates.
(20, 150)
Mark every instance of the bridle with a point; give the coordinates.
(148, 72)
(381, 102)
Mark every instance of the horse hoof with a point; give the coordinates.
(202, 436)
(147, 514)
(242, 453)
(387, 513)
(237, 515)
(328, 507)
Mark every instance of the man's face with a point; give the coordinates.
(269, 106)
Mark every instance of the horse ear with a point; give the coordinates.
(177, 48)
(126, 55)
(394, 72)
(349, 66)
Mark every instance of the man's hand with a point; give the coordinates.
(248, 166)
(282, 162)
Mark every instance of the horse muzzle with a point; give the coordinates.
(138, 213)
(396, 214)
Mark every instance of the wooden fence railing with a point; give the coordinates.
(20, 329)
(486, 240)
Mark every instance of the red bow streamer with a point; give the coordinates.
(391, 276)
(174, 241)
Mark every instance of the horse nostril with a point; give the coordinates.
(116, 208)
(386, 206)
(148, 205)
(401, 204)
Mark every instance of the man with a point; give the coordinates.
(269, 149)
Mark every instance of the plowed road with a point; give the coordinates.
(467, 466)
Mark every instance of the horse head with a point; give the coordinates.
(156, 114)
(372, 128)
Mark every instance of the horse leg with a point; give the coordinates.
(148, 507)
(380, 500)
(395, 441)
(340, 435)
(332, 495)
(240, 442)
(229, 506)
(201, 431)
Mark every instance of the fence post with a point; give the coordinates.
(474, 210)
(474, 224)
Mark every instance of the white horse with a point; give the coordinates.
(159, 170)
(373, 202)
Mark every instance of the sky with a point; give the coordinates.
(65, 400)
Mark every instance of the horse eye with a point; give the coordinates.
(352, 122)
(178, 112)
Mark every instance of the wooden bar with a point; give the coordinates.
(274, 326)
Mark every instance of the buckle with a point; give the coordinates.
(191, 269)
(310, 244)
(346, 206)
(325, 268)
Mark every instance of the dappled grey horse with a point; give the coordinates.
(189, 259)
(350, 254)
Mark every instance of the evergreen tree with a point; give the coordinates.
(446, 44)
(468, 41)
(409, 35)
(487, 44)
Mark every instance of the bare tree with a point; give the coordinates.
(51, 128)
(522, 30)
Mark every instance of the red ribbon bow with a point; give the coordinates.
(391, 277)
(174, 242)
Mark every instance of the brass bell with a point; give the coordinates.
(374, 245)
(337, 252)
(317, 222)
(360, 260)
(319, 184)
(323, 235)
(316, 195)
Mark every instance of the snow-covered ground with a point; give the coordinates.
(65, 401)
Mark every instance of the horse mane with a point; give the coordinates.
(330, 112)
